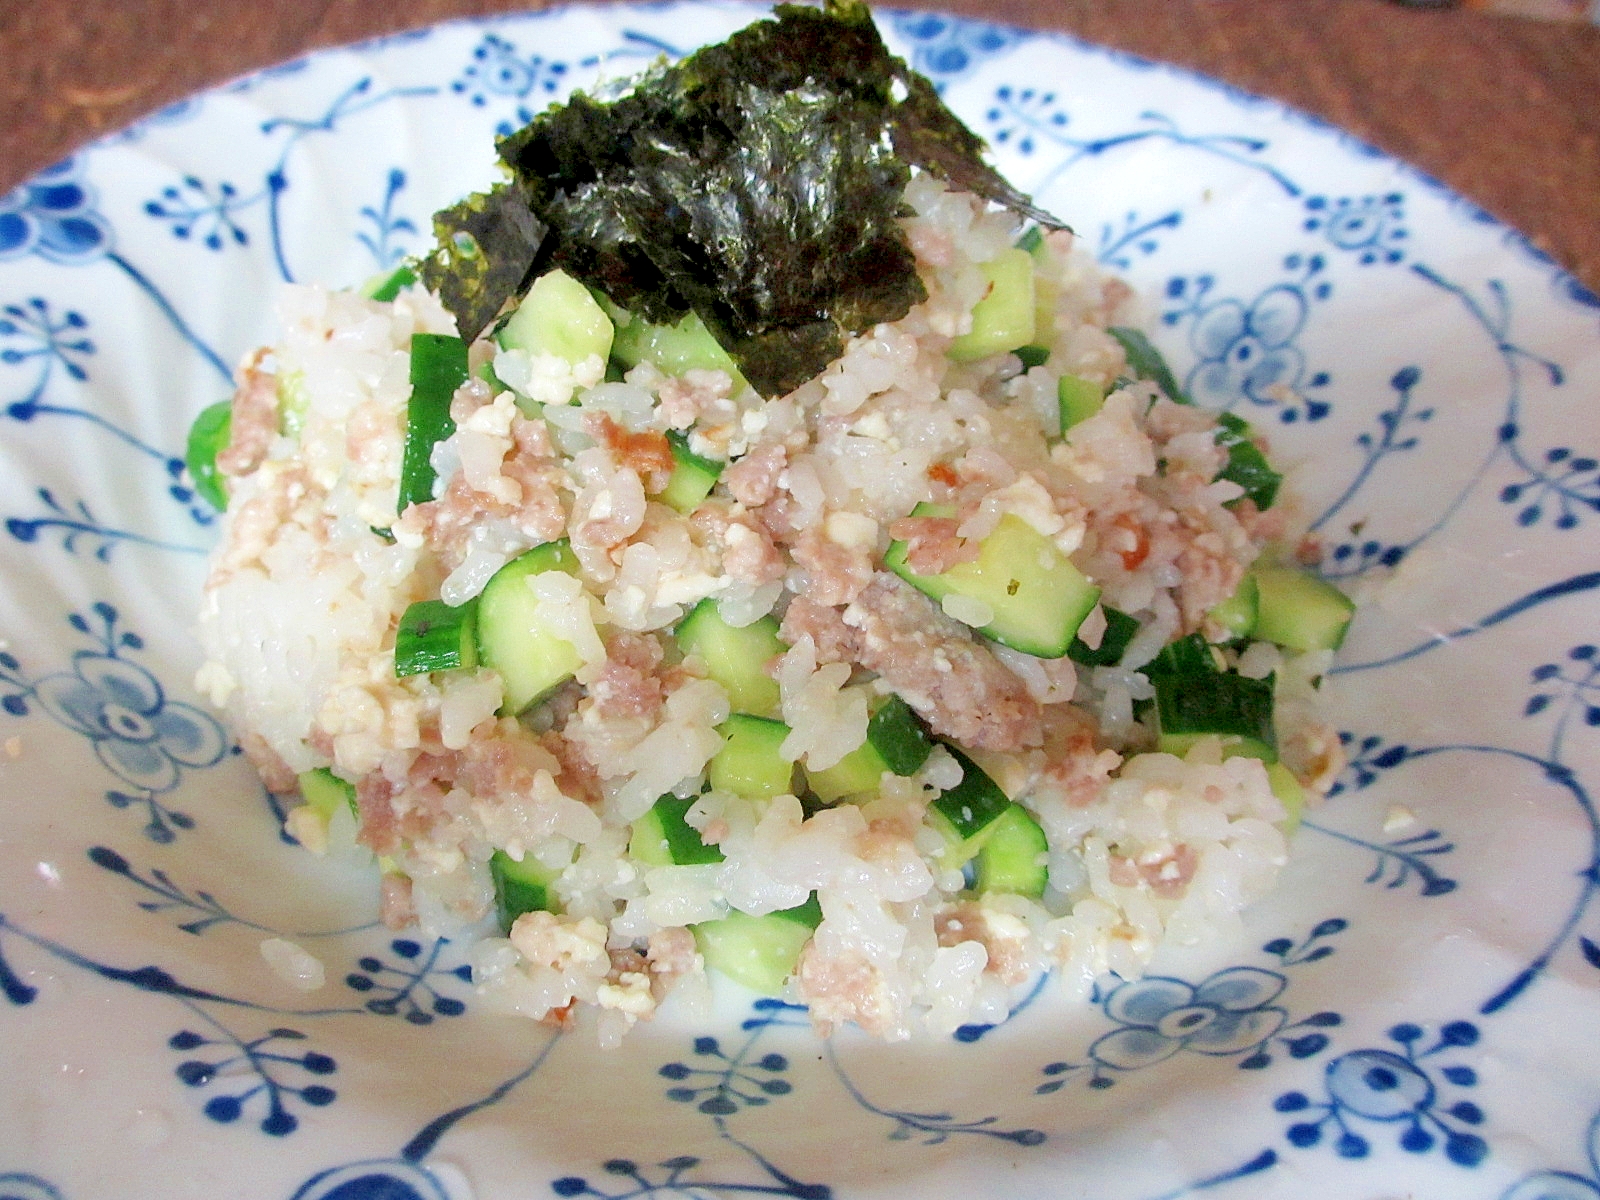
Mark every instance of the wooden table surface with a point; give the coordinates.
(1504, 110)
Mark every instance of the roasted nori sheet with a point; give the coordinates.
(755, 182)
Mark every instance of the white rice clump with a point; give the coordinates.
(305, 594)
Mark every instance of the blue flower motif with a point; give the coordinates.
(53, 215)
(1248, 351)
(945, 48)
(1371, 227)
(498, 69)
(1395, 1089)
(1228, 1013)
(139, 735)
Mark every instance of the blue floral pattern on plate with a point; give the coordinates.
(1431, 373)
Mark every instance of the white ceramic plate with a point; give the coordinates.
(1414, 1014)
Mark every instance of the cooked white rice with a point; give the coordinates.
(303, 600)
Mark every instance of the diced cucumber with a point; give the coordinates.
(749, 763)
(1032, 355)
(531, 658)
(1012, 857)
(859, 771)
(734, 656)
(326, 793)
(1300, 611)
(434, 636)
(896, 742)
(1032, 240)
(979, 822)
(693, 475)
(521, 887)
(759, 952)
(1004, 318)
(1246, 465)
(1237, 614)
(1146, 362)
(438, 368)
(973, 804)
(558, 316)
(1035, 597)
(1078, 399)
(673, 349)
(208, 437)
(1291, 793)
(1229, 706)
(662, 838)
(1120, 630)
(387, 286)
(293, 401)
(896, 733)
(1188, 655)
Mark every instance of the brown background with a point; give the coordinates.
(1504, 110)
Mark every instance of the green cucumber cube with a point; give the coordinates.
(1036, 597)
(1012, 857)
(435, 636)
(1239, 612)
(1300, 611)
(735, 656)
(693, 476)
(662, 838)
(531, 658)
(521, 887)
(1004, 319)
(558, 316)
(750, 763)
(326, 793)
(1291, 793)
(1078, 399)
(1228, 706)
(759, 952)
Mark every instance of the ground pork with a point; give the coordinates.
(254, 421)
(932, 662)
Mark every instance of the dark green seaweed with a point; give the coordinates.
(484, 249)
(756, 182)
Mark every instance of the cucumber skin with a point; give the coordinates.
(1147, 362)
(438, 368)
(665, 823)
(208, 437)
(974, 803)
(1226, 705)
(1120, 630)
(1012, 856)
(503, 600)
(520, 887)
(896, 733)
(423, 644)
